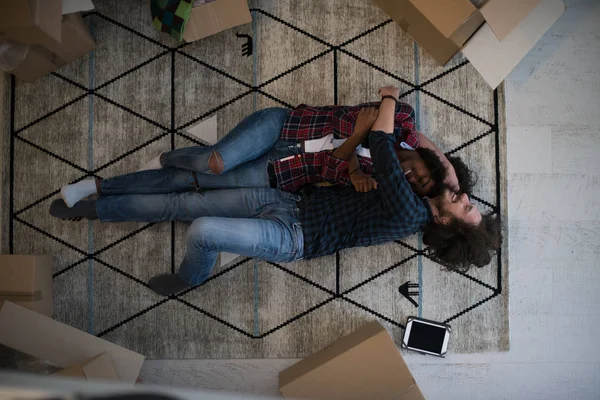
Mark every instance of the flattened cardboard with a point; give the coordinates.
(60, 344)
(99, 367)
(363, 365)
(31, 21)
(504, 15)
(494, 59)
(27, 281)
(210, 18)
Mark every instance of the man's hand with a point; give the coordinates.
(389, 91)
(365, 120)
(362, 182)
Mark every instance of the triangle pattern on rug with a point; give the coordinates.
(359, 83)
(143, 255)
(152, 96)
(459, 292)
(229, 296)
(174, 330)
(388, 47)
(44, 96)
(283, 298)
(194, 99)
(321, 271)
(38, 174)
(316, 78)
(65, 133)
(118, 50)
(293, 49)
(117, 297)
(358, 265)
(72, 289)
(383, 294)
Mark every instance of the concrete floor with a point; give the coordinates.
(553, 116)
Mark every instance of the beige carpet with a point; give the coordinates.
(146, 95)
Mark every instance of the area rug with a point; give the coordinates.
(140, 93)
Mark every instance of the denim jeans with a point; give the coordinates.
(246, 151)
(262, 223)
(251, 138)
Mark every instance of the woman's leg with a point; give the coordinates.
(251, 138)
(157, 181)
(252, 174)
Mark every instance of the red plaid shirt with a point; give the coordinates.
(307, 123)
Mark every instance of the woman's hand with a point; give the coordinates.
(362, 182)
(389, 91)
(365, 120)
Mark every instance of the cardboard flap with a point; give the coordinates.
(44, 338)
(504, 15)
(211, 18)
(446, 15)
(494, 59)
(364, 364)
(100, 367)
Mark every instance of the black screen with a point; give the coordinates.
(426, 337)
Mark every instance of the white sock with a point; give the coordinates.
(71, 194)
(152, 164)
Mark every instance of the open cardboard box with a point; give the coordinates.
(494, 37)
(62, 345)
(365, 364)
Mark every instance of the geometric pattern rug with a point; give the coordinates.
(140, 92)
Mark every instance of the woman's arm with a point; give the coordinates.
(451, 179)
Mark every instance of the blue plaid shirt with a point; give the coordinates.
(335, 218)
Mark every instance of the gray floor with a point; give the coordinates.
(553, 113)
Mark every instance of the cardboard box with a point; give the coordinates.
(62, 345)
(31, 21)
(444, 27)
(363, 365)
(214, 17)
(99, 367)
(49, 56)
(27, 281)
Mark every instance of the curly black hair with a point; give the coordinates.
(467, 179)
(438, 172)
(459, 245)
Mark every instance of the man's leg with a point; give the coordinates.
(231, 203)
(277, 238)
(252, 137)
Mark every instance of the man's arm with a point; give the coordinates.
(398, 198)
(364, 121)
(451, 179)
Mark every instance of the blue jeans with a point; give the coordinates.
(246, 152)
(262, 223)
